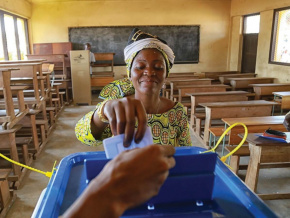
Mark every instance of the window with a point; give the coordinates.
(13, 37)
(252, 24)
(280, 43)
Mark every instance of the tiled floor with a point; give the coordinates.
(63, 142)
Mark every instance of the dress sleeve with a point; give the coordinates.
(83, 129)
(184, 138)
(114, 90)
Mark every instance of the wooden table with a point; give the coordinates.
(215, 75)
(191, 82)
(243, 83)
(219, 110)
(285, 99)
(254, 124)
(224, 79)
(206, 97)
(268, 88)
(183, 89)
(265, 151)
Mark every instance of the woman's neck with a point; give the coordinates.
(150, 102)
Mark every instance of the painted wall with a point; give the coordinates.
(18, 7)
(50, 22)
(266, 10)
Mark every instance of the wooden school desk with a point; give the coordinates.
(268, 88)
(192, 82)
(265, 151)
(254, 124)
(219, 110)
(183, 89)
(285, 99)
(243, 83)
(206, 97)
(224, 79)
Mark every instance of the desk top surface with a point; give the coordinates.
(282, 93)
(254, 139)
(20, 64)
(252, 78)
(255, 120)
(185, 79)
(217, 93)
(270, 84)
(238, 75)
(238, 104)
(205, 86)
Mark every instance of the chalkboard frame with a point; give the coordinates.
(186, 35)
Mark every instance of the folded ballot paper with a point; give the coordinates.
(114, 145)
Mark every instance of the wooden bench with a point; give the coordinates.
(244, 83)
(102, 77)
(267, 89)
(8, 141)
(219, 110)
(61, 74)
(9, 116)
(224, 79)
(7, 195)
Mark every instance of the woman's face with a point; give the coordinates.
(148, 71)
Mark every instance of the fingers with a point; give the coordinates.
(168, 150)
(142, 122)
(130, 123)
(122, 114)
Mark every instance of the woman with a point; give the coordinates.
(135, 102)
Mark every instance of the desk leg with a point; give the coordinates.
(253, 167)
(207, 125)
(273, 108)
(224, 141)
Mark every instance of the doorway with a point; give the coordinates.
(250, 43)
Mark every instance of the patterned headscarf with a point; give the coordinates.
(139, 40)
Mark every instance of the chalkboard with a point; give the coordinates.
(184, 40)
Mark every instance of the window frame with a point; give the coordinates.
(4, 39)
(273, 37)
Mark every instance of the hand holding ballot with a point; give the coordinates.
(126, 181)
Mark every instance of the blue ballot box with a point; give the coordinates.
(200, 185)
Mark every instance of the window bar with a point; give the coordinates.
(17, 38)
(4, 37)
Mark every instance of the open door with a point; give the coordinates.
(250, 43)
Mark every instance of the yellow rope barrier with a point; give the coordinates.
(224, 158)
(48, 174)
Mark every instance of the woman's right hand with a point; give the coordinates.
(122, 114)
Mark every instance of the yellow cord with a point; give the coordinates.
(48, 174)
(224, 158)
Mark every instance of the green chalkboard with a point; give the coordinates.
(184, 40)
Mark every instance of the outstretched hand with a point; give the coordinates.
(130, 179)
(122, 114)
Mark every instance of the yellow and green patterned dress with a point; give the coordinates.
(169, 128)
